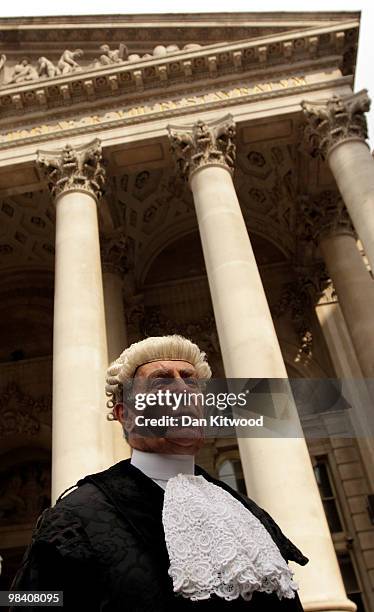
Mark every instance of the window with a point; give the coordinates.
(328, 497)
(331, 506)
(350, 581)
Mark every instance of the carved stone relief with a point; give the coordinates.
(24, 492)
(24, 71)
(22, 414)
(203, 332)
(323, 214)
(117, 252)
(266, 182)
(298, 299)
(68, 62)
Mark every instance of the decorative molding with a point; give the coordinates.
(25, 492)
(74, 169)
(203, 144)
(21, 414)
(24, 71)
(323, 214)
(332, 121)
(203, 332)
(173, 106)
(299, 298)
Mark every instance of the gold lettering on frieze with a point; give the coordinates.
(298, 80)
(157, 107)
(264, 87)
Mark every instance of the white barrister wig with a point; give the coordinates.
(154, 348)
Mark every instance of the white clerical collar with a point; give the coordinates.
(159, 466)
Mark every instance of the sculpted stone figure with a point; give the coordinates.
(46, 68)
(112, 57)
(161, 51)
(24, 71)
(67, 62)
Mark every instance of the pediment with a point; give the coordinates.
(68, 73)
(147, 36)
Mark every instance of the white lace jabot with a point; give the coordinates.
(216, 545)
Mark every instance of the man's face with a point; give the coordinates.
(176, 377)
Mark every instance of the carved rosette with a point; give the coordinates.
(74, 169)
(117, 252)
(322, 215)
(330, 122)
(203, 144)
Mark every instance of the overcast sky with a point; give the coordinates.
(365, 70)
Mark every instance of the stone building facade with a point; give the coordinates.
(207, 175)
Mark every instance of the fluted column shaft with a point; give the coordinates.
(114, 314)
(337, 131)
(250, 349)
(353, 168)
(355, 290)
(81, 441)
(328, 224)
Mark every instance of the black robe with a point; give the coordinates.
(103, 545)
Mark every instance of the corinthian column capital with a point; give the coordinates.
(324, 214)
(330, 122)
(203, 144)
(74, 169)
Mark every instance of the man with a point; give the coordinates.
(157, 533)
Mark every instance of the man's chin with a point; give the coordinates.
(187, 446)
(168, 445)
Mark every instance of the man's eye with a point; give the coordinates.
(192, 382)
(158, 382)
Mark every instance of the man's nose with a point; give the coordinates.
(178, 382)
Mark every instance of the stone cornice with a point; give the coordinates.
(215, 63)
(165, 27)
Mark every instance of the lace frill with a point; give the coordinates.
(217, 546)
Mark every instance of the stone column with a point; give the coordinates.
(81, 435)
(330, 227)
(336, 131)
(348, 369)
(115, 256)
(277, 470)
